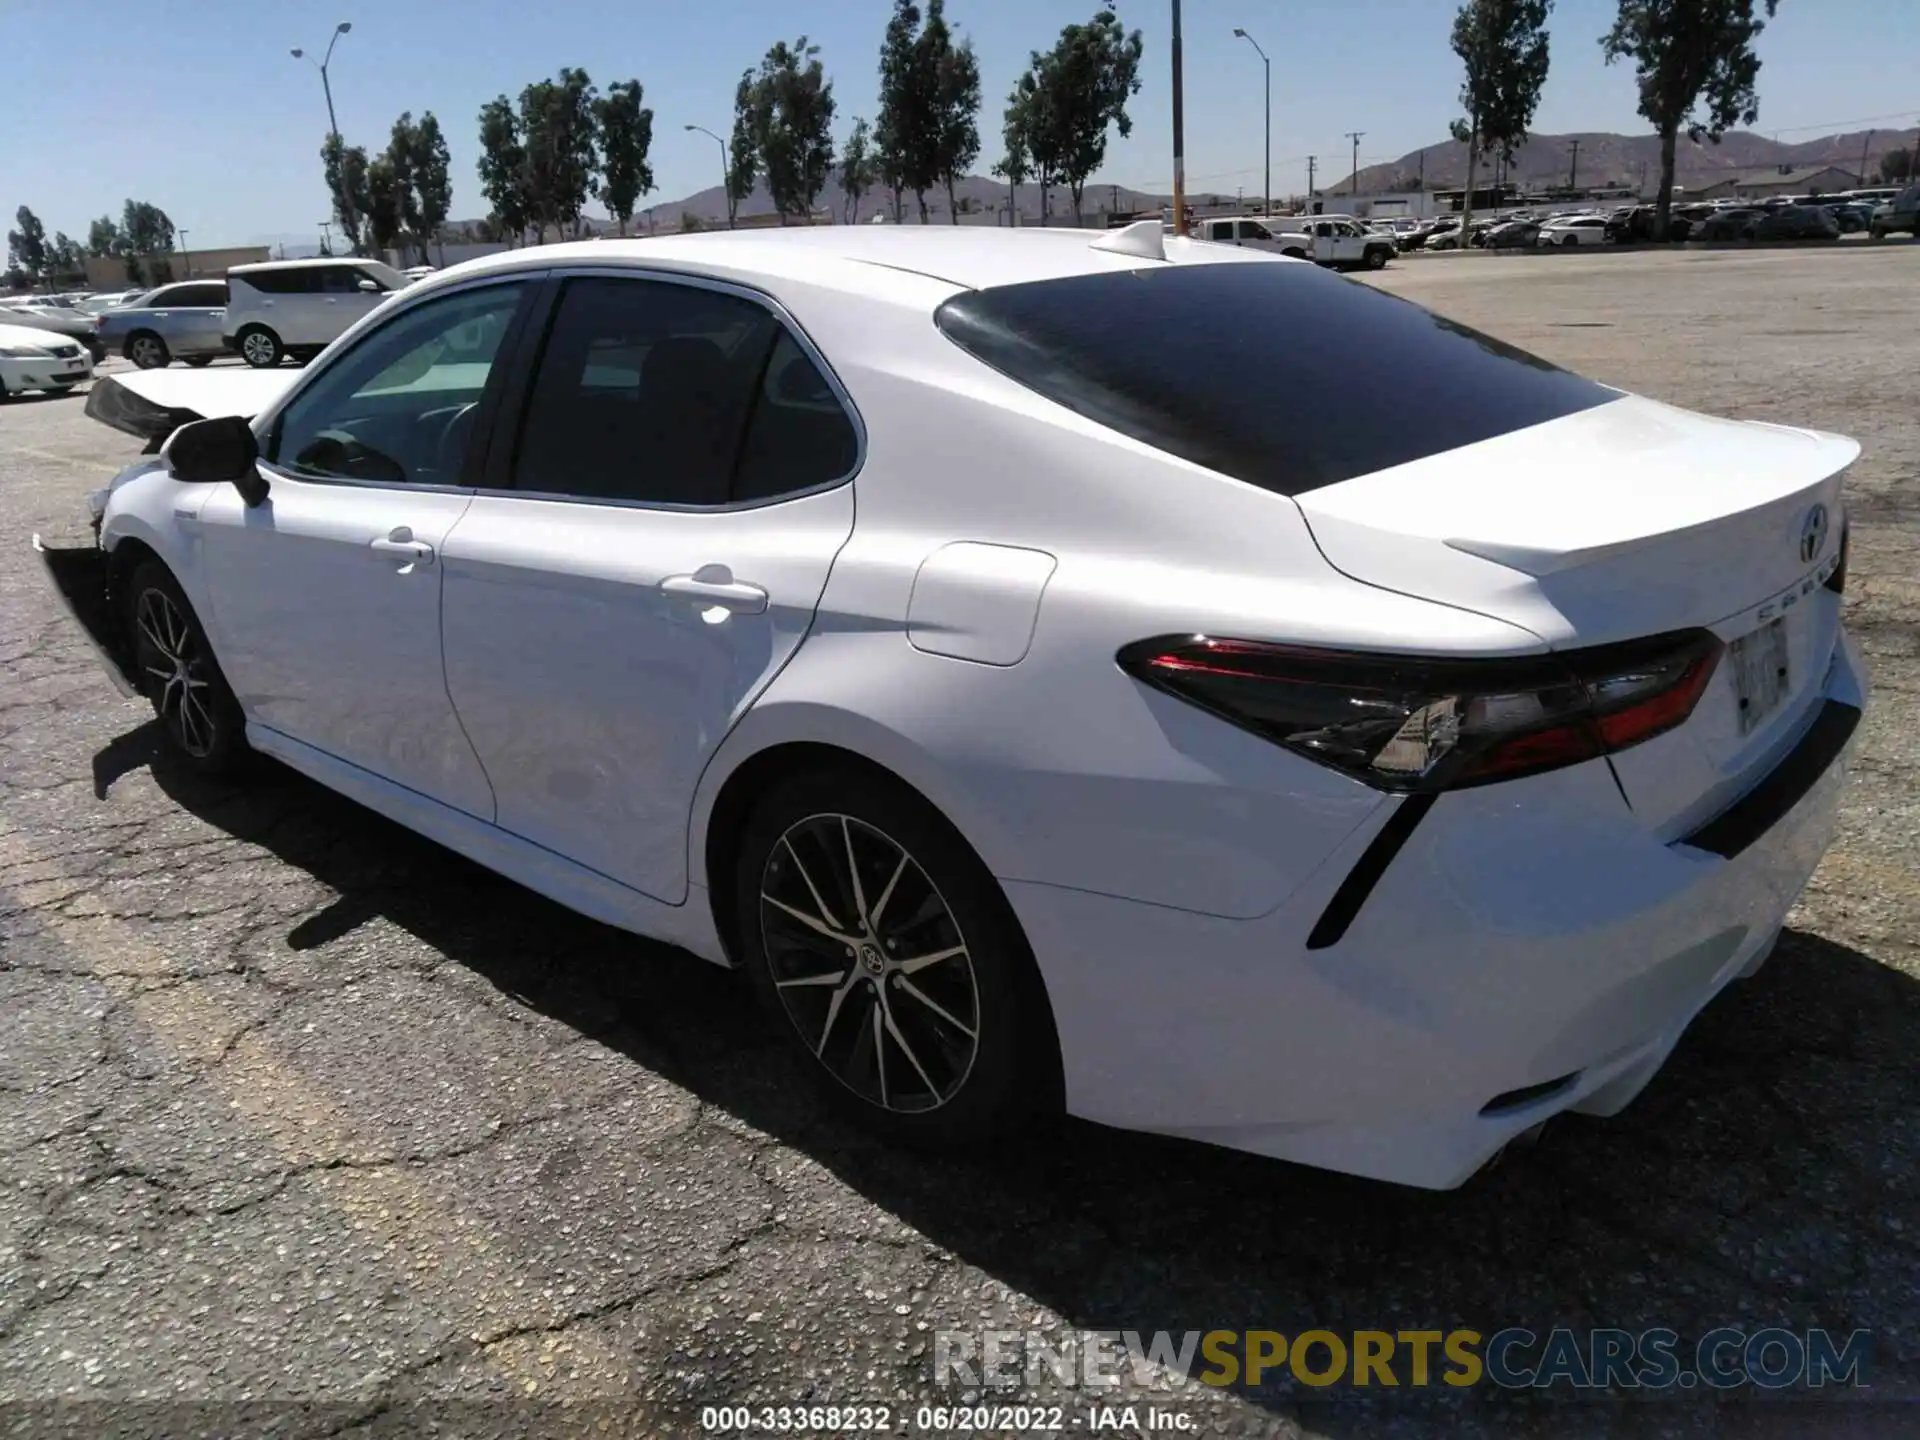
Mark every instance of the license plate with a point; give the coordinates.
(1760, 673)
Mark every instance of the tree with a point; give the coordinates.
(1014, 166)
(905, 139)
(147, 239)
(27, 246)
(1503, 45)
(64, 256)
(432, 185)
(1083, 85)
(502, 167)
(790, 123)
(626, 135)
(1032, 112)
(856, 169)
(103, 237)
(386, 203)
(562, 159)
(1689, 54)
(1896, 166)
(743, 154)
(954, 111)
(346, 169)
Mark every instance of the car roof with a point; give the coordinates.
(857, 259)
(307, 264)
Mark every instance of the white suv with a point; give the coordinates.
(298, 307)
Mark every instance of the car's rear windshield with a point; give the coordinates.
(1276, 373)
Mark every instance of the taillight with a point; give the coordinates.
(1412, 723)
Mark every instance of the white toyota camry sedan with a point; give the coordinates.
(1111, 673)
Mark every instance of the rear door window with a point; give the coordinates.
(1283, 376)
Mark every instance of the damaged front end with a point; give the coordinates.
(79, 575)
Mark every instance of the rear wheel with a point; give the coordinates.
(148, 351)
(890, 959)
(260, 347)
(177, 672)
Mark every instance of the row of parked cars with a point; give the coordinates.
(1825, 217)
(264, 313)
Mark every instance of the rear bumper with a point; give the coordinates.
(78, 575)
(1530, 949)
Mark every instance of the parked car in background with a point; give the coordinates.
(1731, 224)
(1899, 216)
(1796, 222)
(1567, 230)
(68, 324)
(180, 321)
(1265, 232)
(1637, 226)
(1342, 242)
(1851, 218)
(1513, 235)
(299, 307)
(106, 300)
(39, 359)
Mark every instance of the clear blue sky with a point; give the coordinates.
(197, 106)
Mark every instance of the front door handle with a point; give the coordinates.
(399, 542)
(715, 585)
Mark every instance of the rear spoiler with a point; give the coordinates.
(151, 404)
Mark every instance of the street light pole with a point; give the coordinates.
(186, 255)
(1179, 133)
(326, 85)
(1267, 186)
(726, 177)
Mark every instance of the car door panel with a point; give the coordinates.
(596, 657)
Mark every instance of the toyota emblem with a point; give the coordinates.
(1813, 534)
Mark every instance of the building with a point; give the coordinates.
(1780, 180)
(107, 272)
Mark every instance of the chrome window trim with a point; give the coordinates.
(740, 290)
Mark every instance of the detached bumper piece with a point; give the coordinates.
(111, 403)
(1756, 812)
(78, 574)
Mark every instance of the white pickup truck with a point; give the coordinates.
(1335, 240)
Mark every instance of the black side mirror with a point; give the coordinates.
(216, 452)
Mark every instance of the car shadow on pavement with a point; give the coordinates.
(1768, 1176)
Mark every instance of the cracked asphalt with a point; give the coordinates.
(308, 1127)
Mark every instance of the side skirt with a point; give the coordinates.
(559, 879)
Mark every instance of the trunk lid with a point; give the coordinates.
(1626, 520)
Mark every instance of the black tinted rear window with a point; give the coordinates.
(1281, 375)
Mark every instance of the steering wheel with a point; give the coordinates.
(450, 442)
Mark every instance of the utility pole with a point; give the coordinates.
(1311, 159)
(1863, 156)
(1573, 167)
(1354, 135)
(726, 191)
(1179, 134)
(186, 255)
(1266, 188)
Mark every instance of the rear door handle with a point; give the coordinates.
(707, 587)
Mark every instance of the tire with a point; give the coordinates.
(5, 395)
(199, 362)
(178, 673)
(1376, 259)
(260, 347)
(1570, 242)
(148, 351)
(952, 1051)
